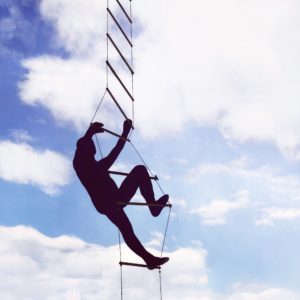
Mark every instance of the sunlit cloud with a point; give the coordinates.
(21, 163)
(234, 75)
(216, 212)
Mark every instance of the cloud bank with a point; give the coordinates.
(39, 267)
(46, 169)
(202, 63)
(215, 212)
(34, 266)
(274, 196)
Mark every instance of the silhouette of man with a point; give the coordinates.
(104, 193)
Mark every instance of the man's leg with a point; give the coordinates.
(120, 219)
(139, 178)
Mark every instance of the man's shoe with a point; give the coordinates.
(156, 262)
(162, 201)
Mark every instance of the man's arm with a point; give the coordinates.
(87, 138)
(109, 160)
(94, 128)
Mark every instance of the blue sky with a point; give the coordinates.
(217, 118)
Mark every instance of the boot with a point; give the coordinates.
(162, 201)
(155, 261)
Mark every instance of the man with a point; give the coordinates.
(104, 193)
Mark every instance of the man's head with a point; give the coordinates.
(87, 147)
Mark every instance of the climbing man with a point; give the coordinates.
(104, 193)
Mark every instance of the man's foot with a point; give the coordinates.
(156, 262)
(162, 201)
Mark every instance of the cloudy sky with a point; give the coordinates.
(217, 117)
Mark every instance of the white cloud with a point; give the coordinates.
(215, 212)
(257, 291)
(39, 267)
(271, 214)
(20, 163)
(77, 37)
(274, 196)
(34, 266)
(70, 89)
(179, 202)
(204, 63)
(277, 185)
(210, 63)
(21, 135)
(156, 241)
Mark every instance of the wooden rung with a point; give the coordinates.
(119, 79)
(144, 204)
(124, 11)
(125, 174)
(115, 134)
(120, 53)
(122, 263)
(119, 26)
(116, 102)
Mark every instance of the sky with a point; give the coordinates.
(217, 117)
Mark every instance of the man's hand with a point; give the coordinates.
(95, 128)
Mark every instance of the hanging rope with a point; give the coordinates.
(98, 107)
(120, 257)
(166, 230)
(160, 284)
(145, 164)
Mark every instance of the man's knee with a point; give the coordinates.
(140, 169)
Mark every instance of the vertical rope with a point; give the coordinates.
(107, 28)
(166, 229)
(121, 268)
(131, 53)
(143, 161)
(98, 107)
(160, 285)
(99, 147)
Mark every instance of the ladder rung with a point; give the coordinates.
(119, 79)
(119, 26)
(116, 102)
(144, 204)
(124, 11)
(122, 263)
(115, 134)
(125, 174)
(120, 53)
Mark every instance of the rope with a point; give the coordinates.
(131, 53)
(162, 250)
(145, 164)
(166, 229)
(121, 268)
(107, 27)
(99, 147)
(98, 106)
(160, 288)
